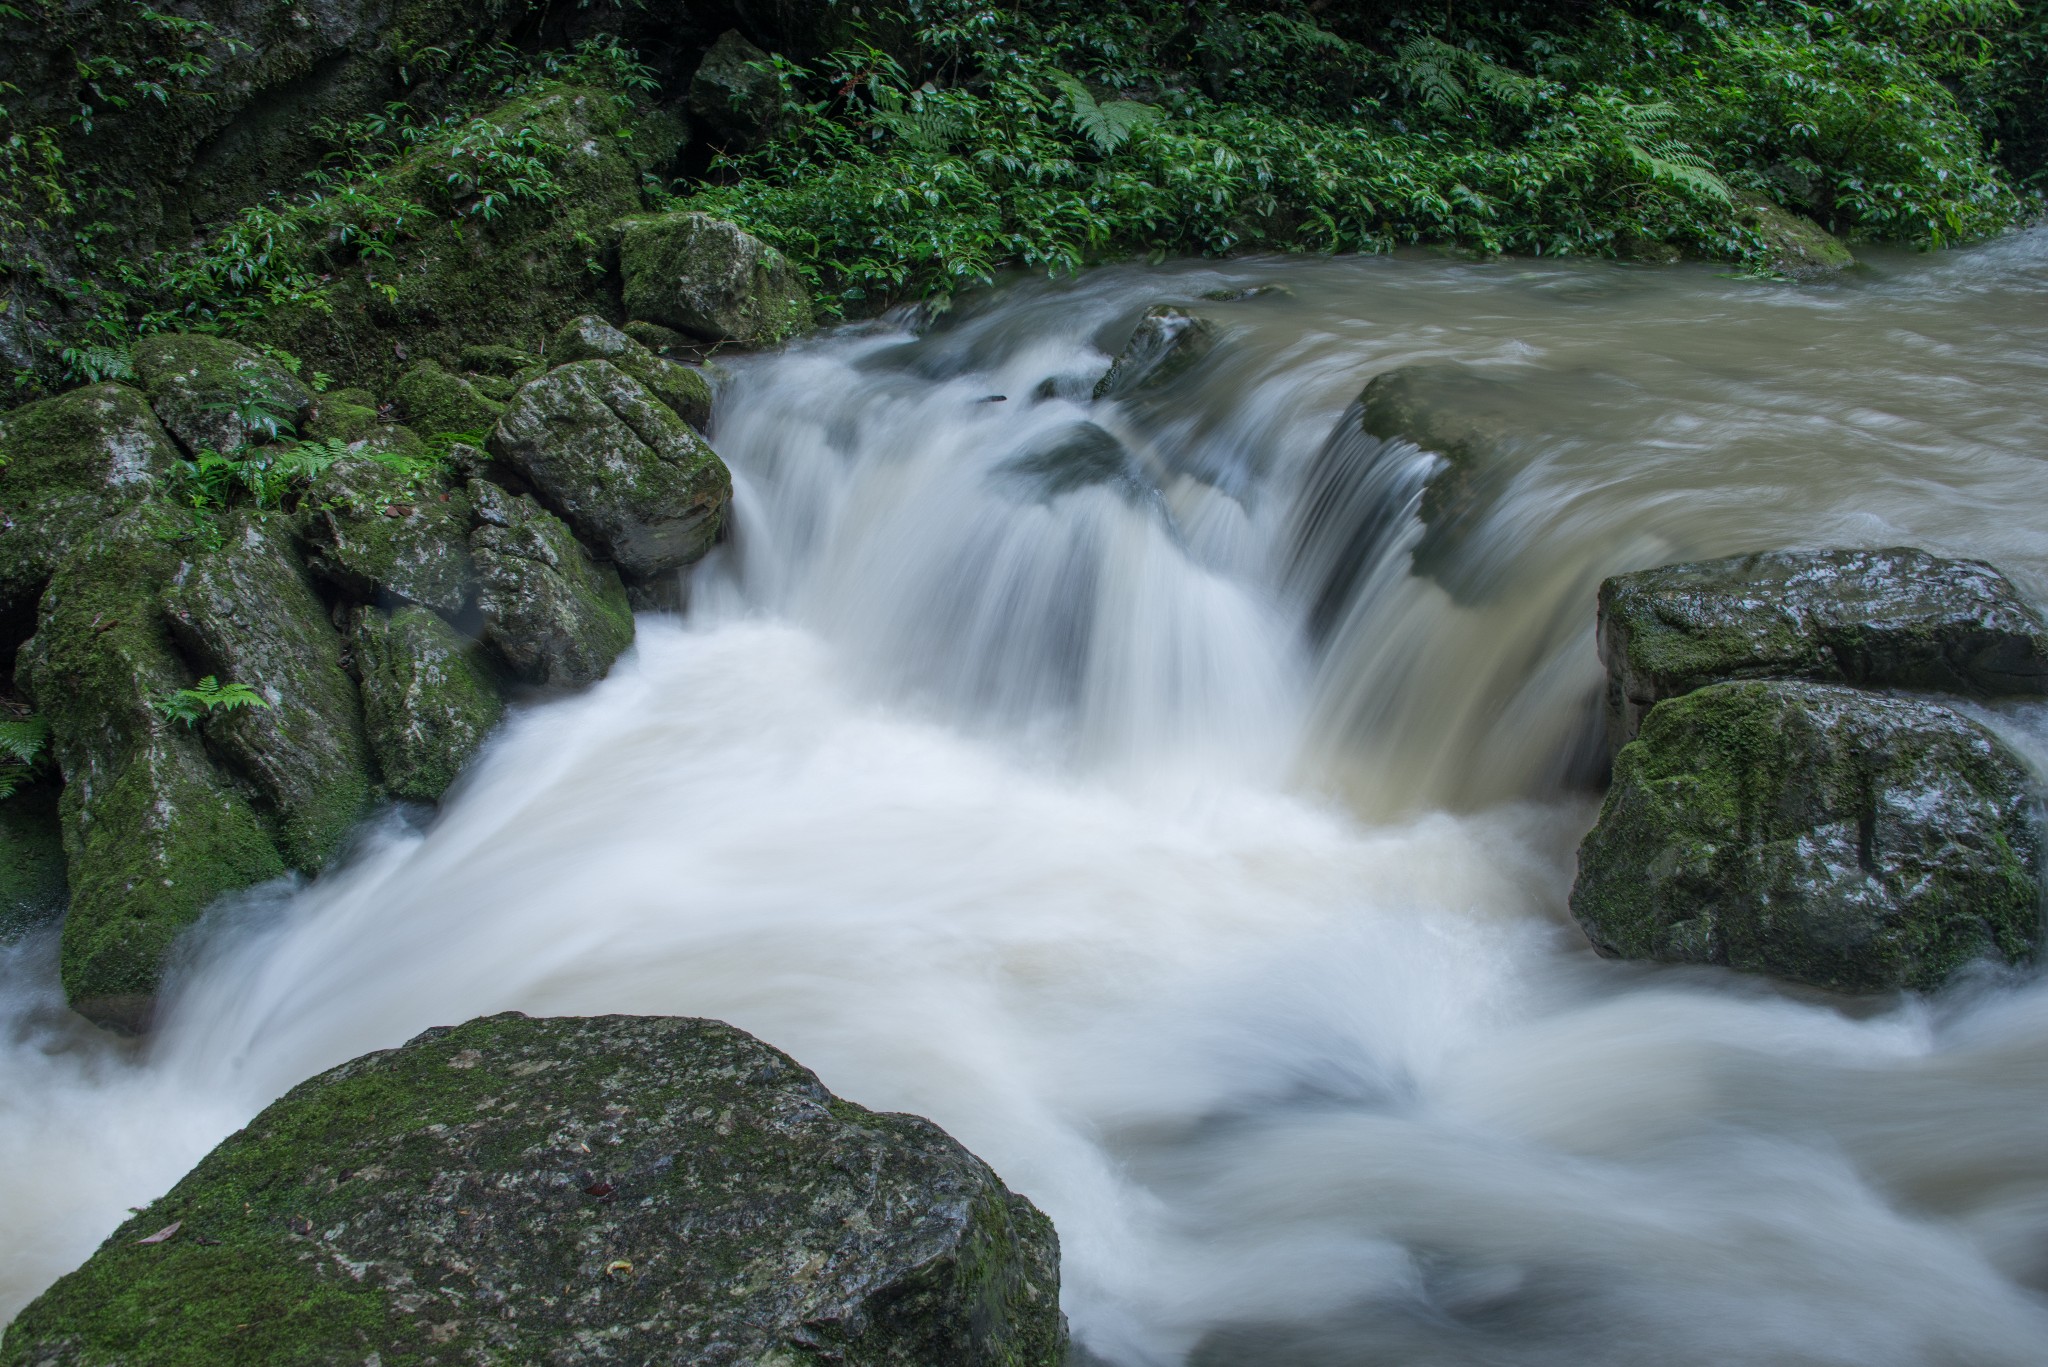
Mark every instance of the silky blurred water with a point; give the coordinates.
(1035, 777)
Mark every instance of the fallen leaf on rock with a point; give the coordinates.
(166, 1232)
(599, 1189)
(617, 1266)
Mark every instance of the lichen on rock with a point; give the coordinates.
(622, 468)
(429, 699)
(218, 395)
(1798, 248)
(553, 616)
(710, 278)
(1832, 836)
(616, 1189)
(681, 387)
(383, 536)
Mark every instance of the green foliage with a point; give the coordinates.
(193, 705)
(23, 740)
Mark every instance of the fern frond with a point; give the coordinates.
(1108, 126)
(22, 741)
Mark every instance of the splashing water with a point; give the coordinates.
(1099, 780)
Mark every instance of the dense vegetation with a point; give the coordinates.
(924, 148)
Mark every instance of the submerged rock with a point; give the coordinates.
(1799, 248)
(552, 616)
(1846, 839)
(735, 94)
(679, 386)
(624, 470)
(1898, 618)
(218, 395)
(1167, 343)
(67, 465)
(153, 832)
(245, 612)
(429, 699)
(384, 536)
(1077, 457)
(710, 278)
(613, 1189)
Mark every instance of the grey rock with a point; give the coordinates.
(1799, 248)
(624, 470)
(1845, 839)
(679, 386)
(1897, 618)
(383, 536)
(244, 611)
(553, 617)
(429, 699)
(1078, 457)
(610, 1190)
(712, 279)
(732, 94)
(1167, 343)
(218, 395)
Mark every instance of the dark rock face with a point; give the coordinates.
(740, 102)
(622, 468)
(244, 611)
(1846, 839)
(1167, 343)
(554, 617)
(429, 699)
(709, 278)
(216, 394)
(577, 1191)
(1896, 618)
(71, 462)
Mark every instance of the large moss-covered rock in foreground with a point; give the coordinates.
(680, 387)
(624, 470)
(244, 611)
(578, 1191)
(711, 279)
(1896, 618)
(66, 465)
(553, 616)
(218, 395)
(382, 535)
(1846, 839)
(429, 699)
(153, 832)
(1167, 343)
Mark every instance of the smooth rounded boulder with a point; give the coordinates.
(711, 279)
(1851, 840)
(617, 1189)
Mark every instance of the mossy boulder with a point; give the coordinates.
(711, 279)
(218, 395)
(1796, 247)
(429, 699)
(245, 611)
(66, 465)
(433, 400)
(343, 415)
(735, 95)
(512, 278)
(153, 832)
(553, 616)
(621, 467)
(381, 535)
(1166, 344)
(1846, 839)
(681, 387)
(616, 1188)
(1893, 618)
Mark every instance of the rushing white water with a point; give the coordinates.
(1229, 929)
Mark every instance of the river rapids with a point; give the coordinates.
(1144, 819)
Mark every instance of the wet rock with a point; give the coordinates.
(70, 463)
(1799, 248)
(735, 94)
(218, 395)
(711, 279)
(1896, 618)
(33, 890)
(382, 535)
(244, 611)
(679, 386)
(1835, 837)
(429, 699)
(1077, 457)
(1167, 343)
(435, 401)
(617, 1189)
(624, 470)
(153, 832)
(552, 616)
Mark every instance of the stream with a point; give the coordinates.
(1121, 799)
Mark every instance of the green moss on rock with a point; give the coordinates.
(33, 890)
(153, 833)
(430, 699)
(1796, 247)
(344, 415)
(1846, 839)
(683, 388)
(553, 616)
(671, 1189)
(381, 536)
(710, 278)
(216, 394)
(435, 401)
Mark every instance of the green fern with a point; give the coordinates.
(193, 705)
(1108, 126)
(923, 123)
(1441, 76)
(1645, 135)
(22, 743)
